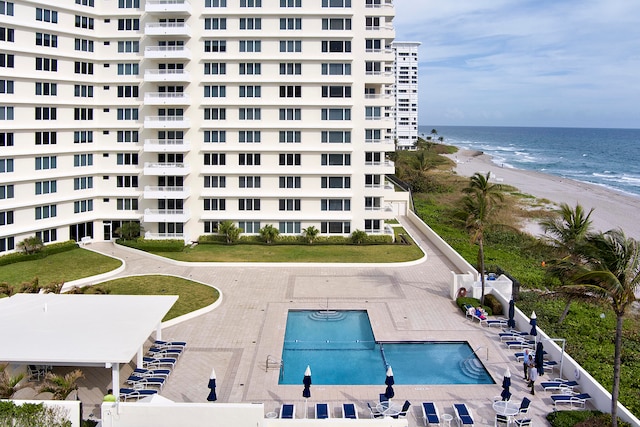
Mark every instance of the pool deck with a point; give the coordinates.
(404, 302)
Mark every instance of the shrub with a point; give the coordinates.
(149, 245)
(358, 237)
(461, 302)
(33, 415)
(51, 249)
(211, 238)
(491, 301)
(582, 419)
(379, 239)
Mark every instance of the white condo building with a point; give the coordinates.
(406, 94)
(180, 114)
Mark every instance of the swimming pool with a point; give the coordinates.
(341, 350)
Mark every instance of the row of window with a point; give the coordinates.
(332, 46)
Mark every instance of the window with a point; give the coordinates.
(373, 45)
(47, 211)
(6, 60)
(83, 136)
(80, 160)
(84, 45)
(211, 226)
(6, 191)
(215, 159)
(215, 45)
(85, 2)
(289, 227)
(45, 64)
(7, 244)
(47, 236)
(290, 23)
(83, 114)
(250, 91)
(46, 113)
(249, 159)
(372, 181)
(215, 205)
(215, 3)
(372, 158)
(290, 136)
(46, 15)
(336, 114)
(7, 35)
(249, 113)
(336, 46)
(215, 23)
(372, 135)
(248, 204)
(290, 68)
(128, 46)
(6, 8)
(82, 206)
(249, 136)
(372, 203)
(83, 67)
(128, 4)
(42, 39)
(127, 114)
(336, 91)
(248, 182)
(336, 3)
(373, 113)
(290, 45)
(290, 3)
(335, 227)
(84, 22)
(289, 159)
(127, 158)
(215, 68)
(372, 225)
(215, 181)
(84, 91)
(6, 165)
(290, 114)
(83, 183)
(6, 218)
(128, 69)
(6, 139)
(249, 226)
(6, 86)
(336, 24)
(373, 22)
(128, 91)
(249, 68)
(335, 204)
(46, 187)
(250, 3)
(289, 204)
(290, 91)
(127, 136)
(215, 113)
(215, 136)
(250, 46)
(335, 182)
(6, 113)
(336, 159)
(127, 181)
(289, 181)
(215, 91)
(336, 137)
(251, 24)
(128, 24)
(126, 204)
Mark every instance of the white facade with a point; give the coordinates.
(406, 94)
(180, 114)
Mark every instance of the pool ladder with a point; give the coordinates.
(272, 362)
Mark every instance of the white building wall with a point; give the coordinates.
(406, 94)
(114, 166)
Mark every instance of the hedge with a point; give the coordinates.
(54, 248)
(151, 245)
(461, 302)
(372, 239)
(31, 415)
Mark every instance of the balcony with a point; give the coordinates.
(166, 236)
(166, 122)
(162, 76)
(166, 98)
(166, 215)
(169, 6)
(386, 140)
(166, 145)
(386, 167)
(167, 168)
(166, 192)
(167, 29)
(167, 52)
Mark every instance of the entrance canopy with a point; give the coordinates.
(78, 330)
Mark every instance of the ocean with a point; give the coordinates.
(606, 157)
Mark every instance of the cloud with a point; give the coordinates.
(530, 63)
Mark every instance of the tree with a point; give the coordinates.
(480, 201)
(610, 271)
(434, 133)
(129, 230)
(229, 230)
(358, 237)
(566, 232)
(31, 245)
(310, 234)
(269, 233)
(61, 386)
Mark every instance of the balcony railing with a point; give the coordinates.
(165, 122)
(167, 168)
(167, 145)
(167, 28)
(167, 76)
(176, 6)
(151, 192)
(166, 98)
(161, 52)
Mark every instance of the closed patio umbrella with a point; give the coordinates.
(389, 381)
(212, 387)
(512, 313)
(506, 383)
(306, 392)
(533, 321)
(540, 358)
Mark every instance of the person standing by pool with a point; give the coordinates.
(525, 364)
(533, 374)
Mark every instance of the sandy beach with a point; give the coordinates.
(612, 209)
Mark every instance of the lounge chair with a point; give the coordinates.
(403, 412)
(520, 343)
(288, 410)
(322, 411)
(153, 362)
(170, 344)
(549, 365)
(463, 414)
(511, 335)
(130, 393)
(141, 372)
(559, 385)
(165, 352)
(349, 411)
(520, 355)
(374, 412)
(430, 413)
(573, 400)
(144, 382)
(500, 322)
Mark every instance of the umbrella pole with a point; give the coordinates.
(305, 407)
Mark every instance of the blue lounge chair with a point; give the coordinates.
(573, 400)
(322, 411)
(520, 355)
(170, 344)
(165, 352)
(349, 411)
(549, 365)
(500, 322)
(154, 362)
(141, 372)
(130, 393)
(520, 344)
(143, 382)
(463, 414)
(288, 410)
(559, 385)
(430, 413)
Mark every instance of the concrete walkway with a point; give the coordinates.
(405, 302)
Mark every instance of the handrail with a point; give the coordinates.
(276, 363)
(474, 353)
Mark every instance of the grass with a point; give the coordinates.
(191, 295)
(58, 268)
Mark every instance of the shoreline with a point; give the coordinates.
(611, 209)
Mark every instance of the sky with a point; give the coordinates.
(564, 63)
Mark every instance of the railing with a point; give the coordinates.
(165, 141)
(165, 72)
(475, 353)
(150, 96)
(272, 362)
(167, 189)
(177, 25)
(165, 49)
(165, 165)
(161, 2)
(164, 118)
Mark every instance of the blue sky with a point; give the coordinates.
(570, 63)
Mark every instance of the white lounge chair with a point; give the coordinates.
(349, 411)
(463, 414)
(288, 410)
(430, 413)
(573, 400)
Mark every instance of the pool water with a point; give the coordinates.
(340, 348)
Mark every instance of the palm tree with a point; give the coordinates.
(30, 245)
(229, 230)
(269, 233)
(310, 233)
(129, 230)
(434, 133)
(566, 233)
(61, 386)
(610, 271)
(480, 201)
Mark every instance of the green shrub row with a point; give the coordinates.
(462, 301)
(582, 418)
(31, 415)
(54, 248)
(373, 239)
(150, 245)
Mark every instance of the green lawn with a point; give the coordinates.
(192, 295)
(58, 268)
(296, 253)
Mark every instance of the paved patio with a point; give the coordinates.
(405, 302)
